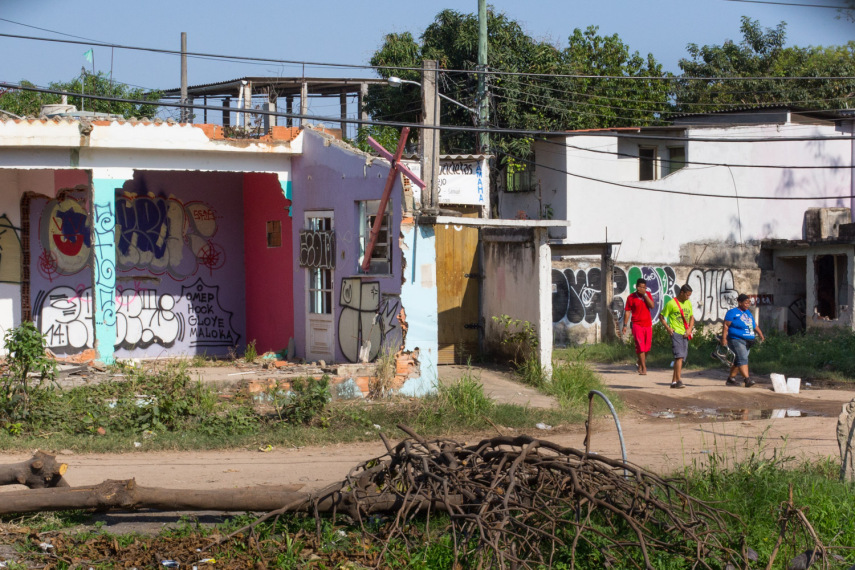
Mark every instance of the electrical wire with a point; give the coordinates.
(676, 192)
(450, 128)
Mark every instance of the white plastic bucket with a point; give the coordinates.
(793, 385)
(779, 383)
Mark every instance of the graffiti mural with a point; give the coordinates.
(65, 237)
(713, 293)
(159, 234)
(366, 317)
(577, 294)
(143, 318)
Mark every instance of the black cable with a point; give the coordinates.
(487, 72)
(450, 128)
(699, 163)
(677, 192)
(840, 7)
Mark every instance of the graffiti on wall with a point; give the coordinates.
(317, 249)
(10, 252)
(367, 316)
(143, 318)
(159, 234)
(577, 295)
(713, 293)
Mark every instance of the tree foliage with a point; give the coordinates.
(761, 54)
(549, 102)
(29, 103)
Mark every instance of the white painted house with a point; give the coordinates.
(737, 202)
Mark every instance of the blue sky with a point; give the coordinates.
(348, 32)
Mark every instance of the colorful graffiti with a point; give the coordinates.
(367, 318)
(577, 297)
(143, 318)
(713, 293)
(159, 234)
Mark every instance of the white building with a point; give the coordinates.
(737, 202)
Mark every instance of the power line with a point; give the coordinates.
(677, 192)
(699, 163)
(839, 7)
(450, 128)
(249, 59)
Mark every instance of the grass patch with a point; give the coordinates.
(754, 489)
(570, 384)
(814, 354)
(166, 410)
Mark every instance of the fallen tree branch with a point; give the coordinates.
(40, 471)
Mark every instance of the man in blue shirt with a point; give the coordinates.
(739, 332)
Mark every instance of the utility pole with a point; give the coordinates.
(483, 110)
(185, 112)
(429, 139)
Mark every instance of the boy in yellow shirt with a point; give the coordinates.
(679, 321)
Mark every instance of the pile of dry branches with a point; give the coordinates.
(519, 502)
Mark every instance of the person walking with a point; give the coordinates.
(638, 305)
(740, 332)
(679, 321)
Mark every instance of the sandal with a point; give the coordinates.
(678, 384)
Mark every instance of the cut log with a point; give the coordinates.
(40, 471)
(128, 496)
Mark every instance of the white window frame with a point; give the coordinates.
(381, 257)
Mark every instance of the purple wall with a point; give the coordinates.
(180, 269)
(336, 179)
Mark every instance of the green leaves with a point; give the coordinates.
(25, 346)
(29, 103)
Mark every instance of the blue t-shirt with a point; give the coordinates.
(741, 324)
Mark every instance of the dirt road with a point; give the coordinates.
(664, 430)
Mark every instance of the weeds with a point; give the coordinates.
(385, 367)
(250, 353)
(307, 401)
(467, 398)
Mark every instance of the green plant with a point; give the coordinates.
(518, 337)
(25, 347)
(467, 398)
(307, 401)
(385, 367)
(250, 353)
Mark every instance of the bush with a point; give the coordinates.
(467, 398)
(307, 401)
(25, 347)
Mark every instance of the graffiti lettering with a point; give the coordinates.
(455, 168)
(577, 294)
(208, 324)
(713, 293)
(366, 317)
(317, 249)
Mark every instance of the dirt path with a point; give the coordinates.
(664, 429)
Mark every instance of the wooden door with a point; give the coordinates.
(458, 290)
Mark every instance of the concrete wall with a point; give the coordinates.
(516, 284)
(652, 226)
(177, 275)
(578, 293)
(331, 176)
(269, 270)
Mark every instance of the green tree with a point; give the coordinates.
(520, 98)
(762, 54)
(29, 103)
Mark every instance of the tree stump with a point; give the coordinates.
(38, 472)
(846, 441)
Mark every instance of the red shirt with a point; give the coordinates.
(640, 310)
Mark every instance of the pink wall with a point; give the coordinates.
(70, 178)
(269, 270)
